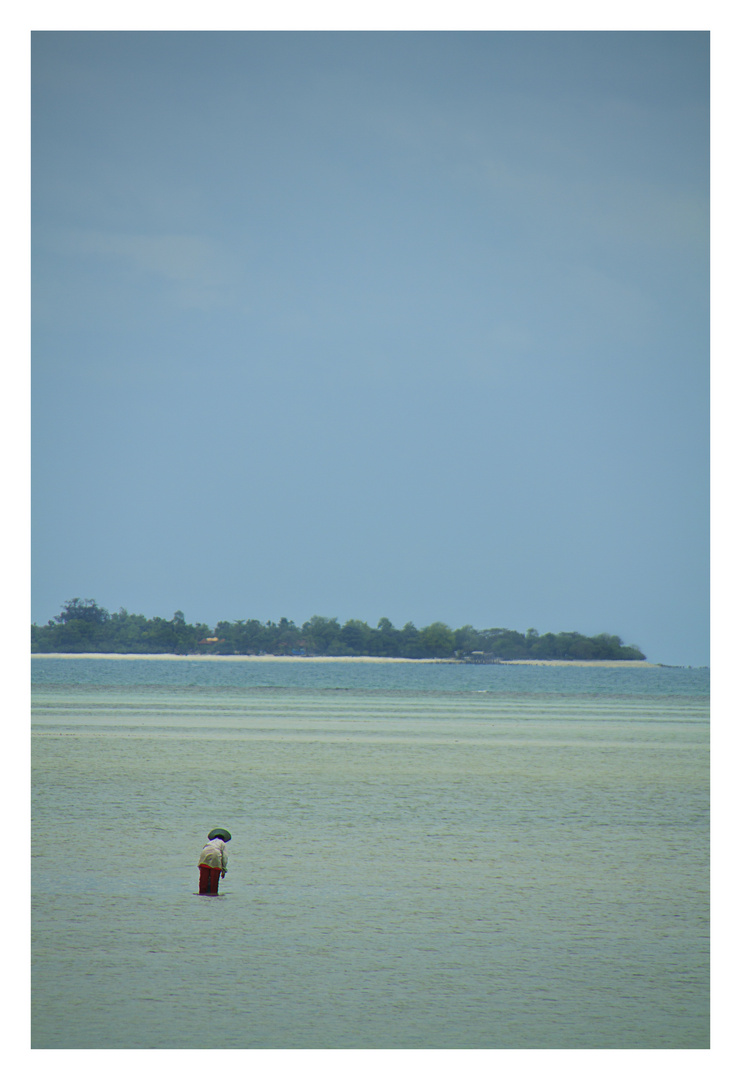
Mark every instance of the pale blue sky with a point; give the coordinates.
(374, 324)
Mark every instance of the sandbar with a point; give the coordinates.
(277, 659)
(339, 659)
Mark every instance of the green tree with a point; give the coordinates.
(355, 638)
(506, 644)
(83, 626)
(437, 640)
(160, 635)
(468, 640)
(323, 636)
(387, 640)
(410, 645)
(82, 611)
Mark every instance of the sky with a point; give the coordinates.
(366, 324)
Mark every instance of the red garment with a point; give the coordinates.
(209, 880)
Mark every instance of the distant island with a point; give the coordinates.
(84, 627)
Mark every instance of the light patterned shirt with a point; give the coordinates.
(214, 854)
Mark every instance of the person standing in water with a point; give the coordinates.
(212, 863)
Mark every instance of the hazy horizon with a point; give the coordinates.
(363, 325)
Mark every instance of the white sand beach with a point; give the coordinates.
(339, 659)
(257, 659)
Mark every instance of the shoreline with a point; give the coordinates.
(241, 656)
(343, 659)
(584, 663)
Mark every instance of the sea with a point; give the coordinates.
(423, 855)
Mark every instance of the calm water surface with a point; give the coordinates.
(424, 856)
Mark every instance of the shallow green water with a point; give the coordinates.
(413, 866)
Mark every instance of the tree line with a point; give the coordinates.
(83, 626)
